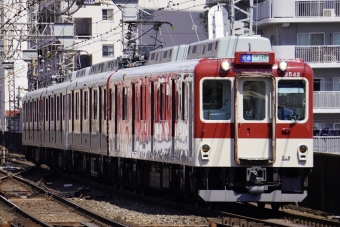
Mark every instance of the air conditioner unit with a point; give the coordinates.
(328, 13)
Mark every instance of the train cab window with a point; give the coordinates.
(291, 103)
(254, 99)
(216, 95)
(125, 103)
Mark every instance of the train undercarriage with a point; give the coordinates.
(241, 184)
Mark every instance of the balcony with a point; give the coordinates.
(326, 101)
(278, 11)
(326, 144)
(317, 56)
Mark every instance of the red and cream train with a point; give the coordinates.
(221, 119)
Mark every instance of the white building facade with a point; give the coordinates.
(309, 30)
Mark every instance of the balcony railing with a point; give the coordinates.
(326, 100)
(326, 8)
(319, 54)
(310, 54)
(326, 144)
(297, 9)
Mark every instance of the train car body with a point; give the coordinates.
(226, 129)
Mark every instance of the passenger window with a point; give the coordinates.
(46, 109)
(254, 99)
(143, 102)
(52, 109)
(216, 97)
(77, 105)
(291, 103)
(125, 103)
(85, 104)
(95, 104)
(184, 102)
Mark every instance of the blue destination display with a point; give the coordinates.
(255, 58)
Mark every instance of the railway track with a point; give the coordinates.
(21, 196)
(226, 218)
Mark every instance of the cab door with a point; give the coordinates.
(254, 121)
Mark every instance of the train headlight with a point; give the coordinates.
(205, 152)
(303, 148)
(283, 66)
(225, 65)
(302, 152)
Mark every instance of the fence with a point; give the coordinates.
(327, 144)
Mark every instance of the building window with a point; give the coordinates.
(310, 39)
(336, 84)
(336, 38)
(318, 84)
(107, 14)
(107, 51)
(146, 14)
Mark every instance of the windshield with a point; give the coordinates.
(291, 100)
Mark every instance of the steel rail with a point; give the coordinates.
(22, 212)
(102, 220)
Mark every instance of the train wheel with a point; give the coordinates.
(261, 205)
(275, 206)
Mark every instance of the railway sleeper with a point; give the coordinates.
(235, 222)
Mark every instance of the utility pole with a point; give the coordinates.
(13, 29)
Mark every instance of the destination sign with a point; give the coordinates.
(254, 58)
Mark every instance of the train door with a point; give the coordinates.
(254, 134)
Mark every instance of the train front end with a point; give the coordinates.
(253, 128)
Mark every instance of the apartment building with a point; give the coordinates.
(94, 33)
(309, 30)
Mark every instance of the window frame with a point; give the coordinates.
(107, 51)
(309, 38)
(230, 101)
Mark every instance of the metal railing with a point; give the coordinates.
(326, 100)
(319, 54)
(318, 8)
(297, 9)
(326, 144)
